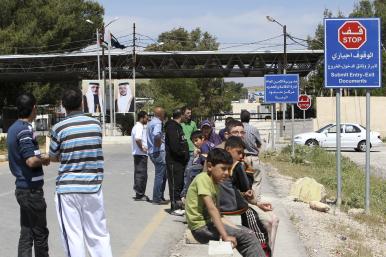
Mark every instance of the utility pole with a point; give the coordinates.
(110, 86)
(284, 71)
(134, 62)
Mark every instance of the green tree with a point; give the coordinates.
(206, 96)
(41, 26)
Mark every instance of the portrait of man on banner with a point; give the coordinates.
(92, 96)
(125, 99)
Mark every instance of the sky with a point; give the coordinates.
(237, 21)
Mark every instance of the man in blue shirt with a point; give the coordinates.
(25, 163)
(156, 151)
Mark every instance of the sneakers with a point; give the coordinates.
(162, 202)
(178, 212)
(142, 198)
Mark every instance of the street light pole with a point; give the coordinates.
(269, 18)
(284, 69)
(99, 78)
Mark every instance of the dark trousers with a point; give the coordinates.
(33, 222)
(175, 172)
(247, 243)
(140, 175)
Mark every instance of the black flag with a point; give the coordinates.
(115, 43)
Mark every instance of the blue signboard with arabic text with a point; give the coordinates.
(281, 88)
(352, 53)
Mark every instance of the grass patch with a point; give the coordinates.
(319, 164)
(355, 250)
(3, 145)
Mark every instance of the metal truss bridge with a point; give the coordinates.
(180, 64)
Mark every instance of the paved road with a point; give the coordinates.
(377, 160)
(136, 228)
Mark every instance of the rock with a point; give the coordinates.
(318, 206)
(307, 189)
(354, 212)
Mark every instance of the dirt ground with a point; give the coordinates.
(329, 234)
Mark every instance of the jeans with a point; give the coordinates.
(140, 175)
(192, 172)
(186, 174)
(159, 162)
(247, 243)
(33, 222)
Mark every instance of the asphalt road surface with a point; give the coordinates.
(377, 159)
(136, 228)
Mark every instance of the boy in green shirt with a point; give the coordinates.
(202, 215)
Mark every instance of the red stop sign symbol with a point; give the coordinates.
(352, 35)
(304, 102)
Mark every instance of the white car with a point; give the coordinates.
(352, 136)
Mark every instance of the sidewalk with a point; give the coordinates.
(288, 243)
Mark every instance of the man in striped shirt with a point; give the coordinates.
(76, 143)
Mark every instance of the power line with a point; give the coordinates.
(46, 46)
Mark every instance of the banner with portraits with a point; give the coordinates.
(92, 91)
(124, 95)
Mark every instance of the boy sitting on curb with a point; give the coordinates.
(202, 215)
(250, 217)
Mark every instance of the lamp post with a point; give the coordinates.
(99, 68)
(284, 27)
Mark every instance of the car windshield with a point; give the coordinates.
(323, 128)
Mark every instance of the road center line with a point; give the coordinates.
(136, 246)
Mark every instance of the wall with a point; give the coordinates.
(353, 109)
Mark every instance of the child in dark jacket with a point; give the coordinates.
(202, 149)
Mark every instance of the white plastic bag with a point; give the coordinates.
(220, 248)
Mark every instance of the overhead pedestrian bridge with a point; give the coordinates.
(178, 64)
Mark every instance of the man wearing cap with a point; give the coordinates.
(209, 133)
(125, 100)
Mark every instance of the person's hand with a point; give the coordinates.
(265, 206)
(144, 149)
(196, 152)
(231, 239)
(249, 194)
(45, 159)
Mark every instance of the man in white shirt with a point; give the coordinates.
(139, 144)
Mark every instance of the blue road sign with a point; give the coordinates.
(352, 53)
(281, 88)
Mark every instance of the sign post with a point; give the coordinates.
(353, 60)
(282, 88)
(304, 103)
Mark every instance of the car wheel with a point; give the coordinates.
(312, 142)
(357, 150)
(362, 146)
